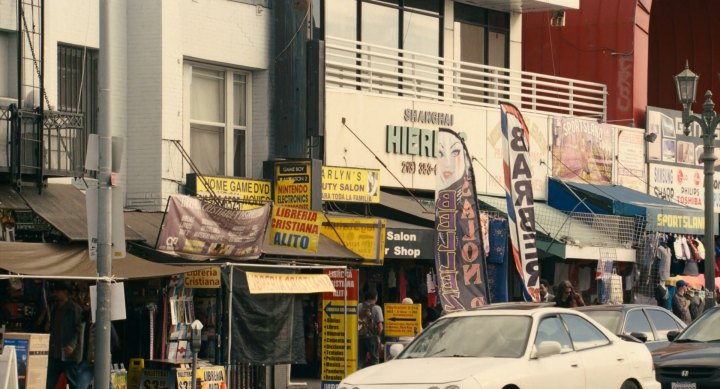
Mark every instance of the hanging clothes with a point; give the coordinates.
(691, 268)
(665, 258)
(700, 248)
(678, 248)
(497, 262)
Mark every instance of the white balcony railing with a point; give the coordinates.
(384, 70)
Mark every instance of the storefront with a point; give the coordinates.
(570, 246)
(658, 223)
(27, 299)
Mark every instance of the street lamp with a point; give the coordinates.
(686, 85)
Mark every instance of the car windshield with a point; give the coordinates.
(608, 319)
(705, 329)
(481, 336)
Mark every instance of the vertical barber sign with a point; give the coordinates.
(459, 255)
(519, 195)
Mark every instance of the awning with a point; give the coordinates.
(561, 235)
(63, 206)
(661, 215)
(408, 205)
(147, 225)
(73, 261)
(10, 199)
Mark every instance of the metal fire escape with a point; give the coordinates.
(42, 143)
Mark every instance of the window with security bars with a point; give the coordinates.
(78, 83)
(77, 93)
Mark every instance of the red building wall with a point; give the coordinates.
(681, 30)
(634, 47)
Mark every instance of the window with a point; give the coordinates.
(482, 37)
(552, 329)
(637, 322)
(584, 335)
(412, 25)
(218, 110)
(8, 65)
(78, 92)
(663, 323)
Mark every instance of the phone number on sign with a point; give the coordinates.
(422, 168)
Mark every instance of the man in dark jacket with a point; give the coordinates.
(681, 305)
(66, 328)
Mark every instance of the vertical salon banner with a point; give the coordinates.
(520, 203)
(459, 257)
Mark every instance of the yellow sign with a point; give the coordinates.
(295, 228)
(208, 278)
(156, 379)
(233, 188)
(402, 319)
(350, 184)
(118, 380)
(211, 377)
(339, 340)
(293, 184)
(363, 236)
(288, 283)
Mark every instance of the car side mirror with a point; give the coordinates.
(546, 349)
(639, 336)
(672, 335)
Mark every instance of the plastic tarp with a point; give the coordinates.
(73, 261)
(266, 328)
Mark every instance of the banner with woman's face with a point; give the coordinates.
(459, 255)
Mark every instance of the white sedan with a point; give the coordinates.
(513, 346)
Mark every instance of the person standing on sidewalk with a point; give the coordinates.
(66, 328)
(370, 326)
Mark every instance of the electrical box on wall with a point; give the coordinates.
(557, 19)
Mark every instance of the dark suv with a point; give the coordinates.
(692, 359)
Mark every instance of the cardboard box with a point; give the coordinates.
(32, 358)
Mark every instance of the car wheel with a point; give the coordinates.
(629, 385)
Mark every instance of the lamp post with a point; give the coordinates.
(686, 85)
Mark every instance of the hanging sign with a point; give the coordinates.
(259, 283)
(231, 189)
(363, 236)
(208, 278)
(409, 243)
(350, 184)
(293, 184)
(198, 230)
(295, 228)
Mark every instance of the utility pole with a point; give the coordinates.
(112, 110)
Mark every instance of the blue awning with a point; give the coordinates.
(661, 215)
